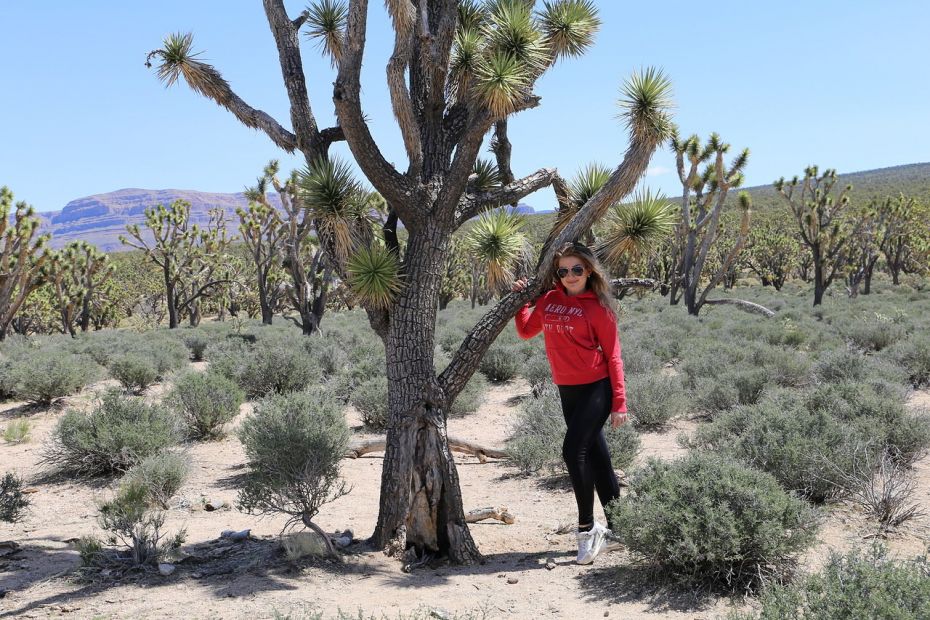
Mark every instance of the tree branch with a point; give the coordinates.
(346, 97)
(472, 204)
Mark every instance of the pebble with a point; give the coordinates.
(166, 569)
(550, 565)
(512, 580)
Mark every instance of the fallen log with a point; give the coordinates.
(483, 453)
(500, 513)
(742, 304)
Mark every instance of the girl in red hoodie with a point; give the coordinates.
(580, 328)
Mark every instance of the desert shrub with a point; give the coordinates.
(711, 520)
(12, 501)
(276, 368)
(161, 474)
(537, 373)
(47, 375)
(164, 350)
(17, 431)
(294, 444)
(103, 345)
(371, 400)
(501, 363)
(227, 356)
(624, 443)
(874, 333)
(805, 451)
(713, 396)
(205, 402)
(655, 400)
(366, 361)
(878, 406)
(840, 365)
(784, 367)
(860, 584)
(638, 359)
(118, 433)
(914, 355)
(197, 342)
(750, 384)
(331, 356)
(136, 528)
(134, 372)
(536, 443)
(471, 396)
(6, 381)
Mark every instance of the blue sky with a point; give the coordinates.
(844, 85)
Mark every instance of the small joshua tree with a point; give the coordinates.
(77, 275)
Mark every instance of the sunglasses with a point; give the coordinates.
(577, 270)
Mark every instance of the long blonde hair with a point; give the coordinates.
(597, 281)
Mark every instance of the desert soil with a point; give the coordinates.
(253, 579)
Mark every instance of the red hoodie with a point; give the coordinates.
(581, 339)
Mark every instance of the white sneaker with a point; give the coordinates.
(611, 540)
(590, 544)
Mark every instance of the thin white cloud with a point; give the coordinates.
(654, 171)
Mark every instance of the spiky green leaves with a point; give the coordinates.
(497, 241)
(374, 276)
(485, 176)
(569, 26)
(335, 200)
(587, 182)
(178, 59)
(326, 24)
(464, 62)
(646, 101)
(631, 229)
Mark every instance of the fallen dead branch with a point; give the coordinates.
(500, 513)
(482, 453)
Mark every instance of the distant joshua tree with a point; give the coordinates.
(824, 230)
(22, 257)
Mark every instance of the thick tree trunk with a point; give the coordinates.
(420, 492)
(263, 303)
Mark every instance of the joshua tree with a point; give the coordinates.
(819, 215)
(21, 256)
(631, 231)
(771, 253)
(263, 234)
(900, 222)
(189, 257)
(704, 194)
(77, 274)
(457, 69)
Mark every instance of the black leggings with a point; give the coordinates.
(586, 409)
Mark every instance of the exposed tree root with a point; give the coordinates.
(357, 449)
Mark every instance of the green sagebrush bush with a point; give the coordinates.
(277, 367)
(371, 399)
(502, 362)
(43, 376)
(873, 333)
(914, 356)
(118, 433)
(876, 406)
(135, 524)
(537, 373)
(197, 342)
(162, 475)
(536, 443)
(134, 372)
(470, 398)
(859, 584)
(804, 450)
(13, 502)
(294, 444)
(712, 521)
(655, 400)
(205, 402)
